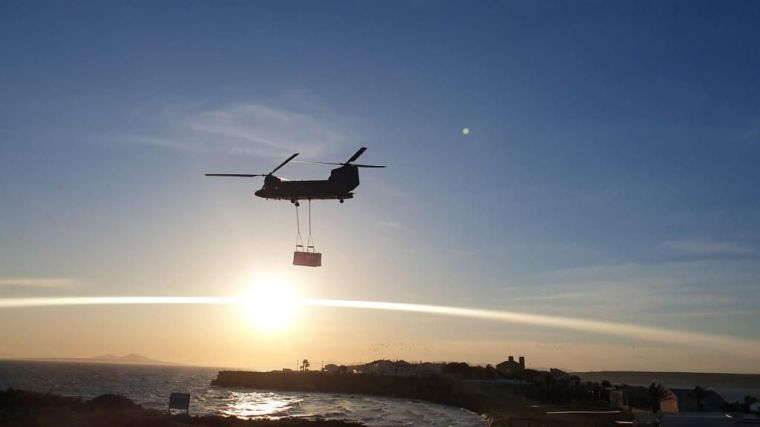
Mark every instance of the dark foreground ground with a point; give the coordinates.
(23, 408)
(504, 408)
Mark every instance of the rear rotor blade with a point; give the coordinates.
(325, 163)
(239, 175)
(357, 154)
(283, 164)
(349, 162)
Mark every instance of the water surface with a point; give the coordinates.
(150, 386)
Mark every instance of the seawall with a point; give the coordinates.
(438, 389)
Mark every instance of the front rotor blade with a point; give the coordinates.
(357, 154)
(367, 166)
(240, 175)
(283, 163)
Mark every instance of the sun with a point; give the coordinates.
(271, 305)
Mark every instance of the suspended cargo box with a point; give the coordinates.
(307, 259)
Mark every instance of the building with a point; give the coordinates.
(558, 375)
(618, 399)
(510, 367)
(387, 367)
(428, 368)
(331, 368)
(680, 403)
(687, 400)
(399, 368)
(630, 398)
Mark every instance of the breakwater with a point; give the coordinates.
(437, 389)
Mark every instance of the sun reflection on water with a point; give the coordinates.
(250, 405)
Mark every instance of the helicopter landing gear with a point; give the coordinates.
(340, 200)
(295, 202)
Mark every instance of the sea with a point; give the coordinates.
(150, 386)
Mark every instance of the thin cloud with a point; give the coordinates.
(38, 282)
(253, 129)
(705, 248)
(706, 314)
(555, 297)
(631, 289)
(389, 224)
(751, 133)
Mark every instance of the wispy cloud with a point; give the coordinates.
(636, 289)
(567, 296)
(751, 133)
(705, 248)
(389, 224)
(38, 282)
(253, 129)
(709, 314)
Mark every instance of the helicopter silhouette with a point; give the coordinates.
(342, 181)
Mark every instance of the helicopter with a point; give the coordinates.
(339, 186)
(342, 181)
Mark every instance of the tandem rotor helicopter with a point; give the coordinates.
(339, 186)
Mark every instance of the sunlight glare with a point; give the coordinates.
(271, 305)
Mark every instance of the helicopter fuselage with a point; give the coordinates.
(338, 186)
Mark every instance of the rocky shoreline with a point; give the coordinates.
(498, 404)
(19, 408)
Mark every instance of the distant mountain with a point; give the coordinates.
(129, 359)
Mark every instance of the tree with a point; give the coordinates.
(749, 401)
(699, 394)
(305, 365)
(656, 392)
(491, 372)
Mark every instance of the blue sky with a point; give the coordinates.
(610, 173)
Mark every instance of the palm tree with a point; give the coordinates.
(656, 393)
(305, 365)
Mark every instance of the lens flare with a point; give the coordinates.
(274, 307)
